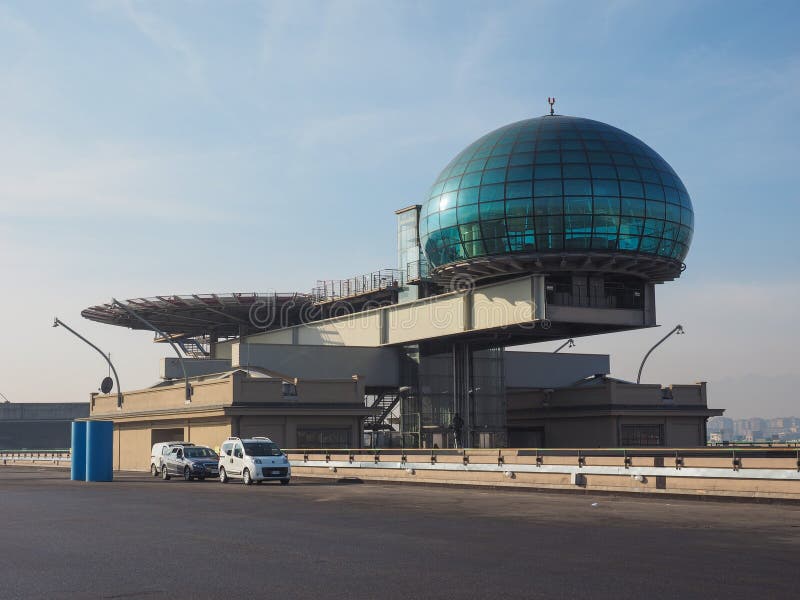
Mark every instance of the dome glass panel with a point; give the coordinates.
(556, 184)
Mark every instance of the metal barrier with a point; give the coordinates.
(55, 457)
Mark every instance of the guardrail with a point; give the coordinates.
(757, 472)
(55, 457)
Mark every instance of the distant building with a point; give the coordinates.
(38, 425)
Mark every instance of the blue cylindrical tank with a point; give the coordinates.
(78, 451)
(99, 450)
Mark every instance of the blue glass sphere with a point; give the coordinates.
(557, 185)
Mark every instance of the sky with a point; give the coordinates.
(151, 148)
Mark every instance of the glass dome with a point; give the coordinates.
(557, 185)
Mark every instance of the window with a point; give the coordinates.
(642, 435)
(313, 437)
(288, 389)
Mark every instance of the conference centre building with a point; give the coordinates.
(546, 229)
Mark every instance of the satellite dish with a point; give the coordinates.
(107, 385)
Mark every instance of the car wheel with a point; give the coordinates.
(284, 482)
(246, 479)
(187, 474)
(223, 476)
(153, 470)
(164, 473)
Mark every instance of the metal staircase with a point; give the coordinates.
(384, 404)
(192, 348)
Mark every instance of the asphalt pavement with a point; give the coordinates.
(139, 537)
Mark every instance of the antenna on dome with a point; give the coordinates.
(551, 102)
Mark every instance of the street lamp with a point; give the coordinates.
(677, 329)
(570, 343)
(58, 322)
(134, 314)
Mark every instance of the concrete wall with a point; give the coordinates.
(38, 425)
(548, 370)
(377, 366)
(171, 367)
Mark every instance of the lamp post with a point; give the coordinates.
(677, 329)
(570, 343)
(58, 322)
(134, 314)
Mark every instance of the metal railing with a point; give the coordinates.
(336, 289)
(35, 456)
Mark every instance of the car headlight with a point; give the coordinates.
(257, 461)
(286, 460)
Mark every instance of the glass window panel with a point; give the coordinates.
(436, 189)
(547, 242)
(492, 192)
(685, 199)
(642, 161)
(628, 243)
(631, 226)
(594, 145)
(547, 172)
(501, 149)
(519, 173)
(577, 187)
(468, 196)
(571, 145)
(493, 229)
(633, 206)
(599, 157)
(573, 156)
(575, 224)
(494, 176)
(524, 146)
(547, 188)
(666, 178)
(449, 235)
(654, 227)
(549, 206)
(606, 206)
(604, 172)
(447, 200)
(476, 165)
(622, 159)
(653, 191)
(471, 179)
(433, 222)
(547, 145)
(545, 158)
(578, 205)
(470, 232)
(673, 213)
(605, 187)
(519, 189)
(468, 213)
(482, 152)
(576, 171)
(606, 225)
(521, 241)
(519, 208)
(496, 245)
(631, 189)
(451, 184)
(523, 158)
(650, 176)
(577, 240)
(630, 173)
(549, 225)
(447, 218)
(671, 230)
(687, 217)
(474, 248)
(655, 210)
(684, 235)
(458, 169)
(665, 249)
(520, 224)
(492, 210)
(496, 162)
(671, 194)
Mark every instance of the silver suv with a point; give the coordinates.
(253, 459)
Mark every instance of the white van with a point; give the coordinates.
(253, 459)
(159, 452)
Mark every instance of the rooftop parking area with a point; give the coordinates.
(140, 537)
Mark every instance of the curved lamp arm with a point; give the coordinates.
(58, 322)
(677, 329)
(134, 314)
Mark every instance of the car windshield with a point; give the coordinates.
(199, 453)
(262, 449)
